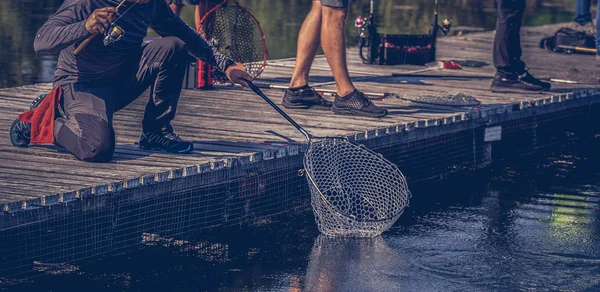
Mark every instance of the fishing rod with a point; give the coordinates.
(113, 34)
(380, 96)
(432, 66)
(578, 49)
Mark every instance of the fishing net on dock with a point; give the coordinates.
(236, 33)
(454, 99)
(354, 192)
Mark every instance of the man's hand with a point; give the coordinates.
(237, 74)
(100, 19)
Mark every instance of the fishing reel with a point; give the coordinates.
(446, 25)
(113, 34)
(362, 25)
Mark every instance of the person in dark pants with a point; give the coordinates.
(103, 79)
(511, 74)
(324, 26)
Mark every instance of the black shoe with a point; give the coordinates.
(526, 77)
(357, 103)
(514, 83)
(164, 142)
(20, 132)
(304, 98)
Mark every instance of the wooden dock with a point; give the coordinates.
(233, 129)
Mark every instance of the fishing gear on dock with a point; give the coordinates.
(396, 49)
(447, 100)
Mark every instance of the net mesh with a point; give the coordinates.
(236, 34)
(354, 191)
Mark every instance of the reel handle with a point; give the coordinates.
(84, 44)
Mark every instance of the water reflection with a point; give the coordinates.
(281, 21)
(347, 264)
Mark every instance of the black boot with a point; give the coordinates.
(358, 104)
(304, 98)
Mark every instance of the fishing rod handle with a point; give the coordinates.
(279, 110)
(84, 43)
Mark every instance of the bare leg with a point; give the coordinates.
(175, 8)
(308, 45)
(333, 39)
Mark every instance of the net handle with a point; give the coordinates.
(279, 110)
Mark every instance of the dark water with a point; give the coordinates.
(280, 19)
(532, 228)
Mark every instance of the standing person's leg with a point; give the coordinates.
(300, 95)
(161, 65)
(333, 40)
(582, 11)
(507, 40)
(511, 73)
(348, 100)
(583, 17)
(309, 41)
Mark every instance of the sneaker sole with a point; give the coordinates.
(351, 112)
(512, 90)
(304, 106)
(188, 150)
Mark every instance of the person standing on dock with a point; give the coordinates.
(511, 74)
(103, 78)
(583, 21)
(324, 26)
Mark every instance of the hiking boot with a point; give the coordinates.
(514, 83)
(588, 28)
(358, 104)
(20, 132)
(168, 142)
(304, 98)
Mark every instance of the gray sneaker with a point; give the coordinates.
(357, 104)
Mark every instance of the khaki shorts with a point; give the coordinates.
(335, 3)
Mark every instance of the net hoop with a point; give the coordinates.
(348, 217)
(260, 30)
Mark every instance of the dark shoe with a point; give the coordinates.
(357, 104)
(528, 78)
(20, 132)
(304, 98)
(513, 83)
(165, 142)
